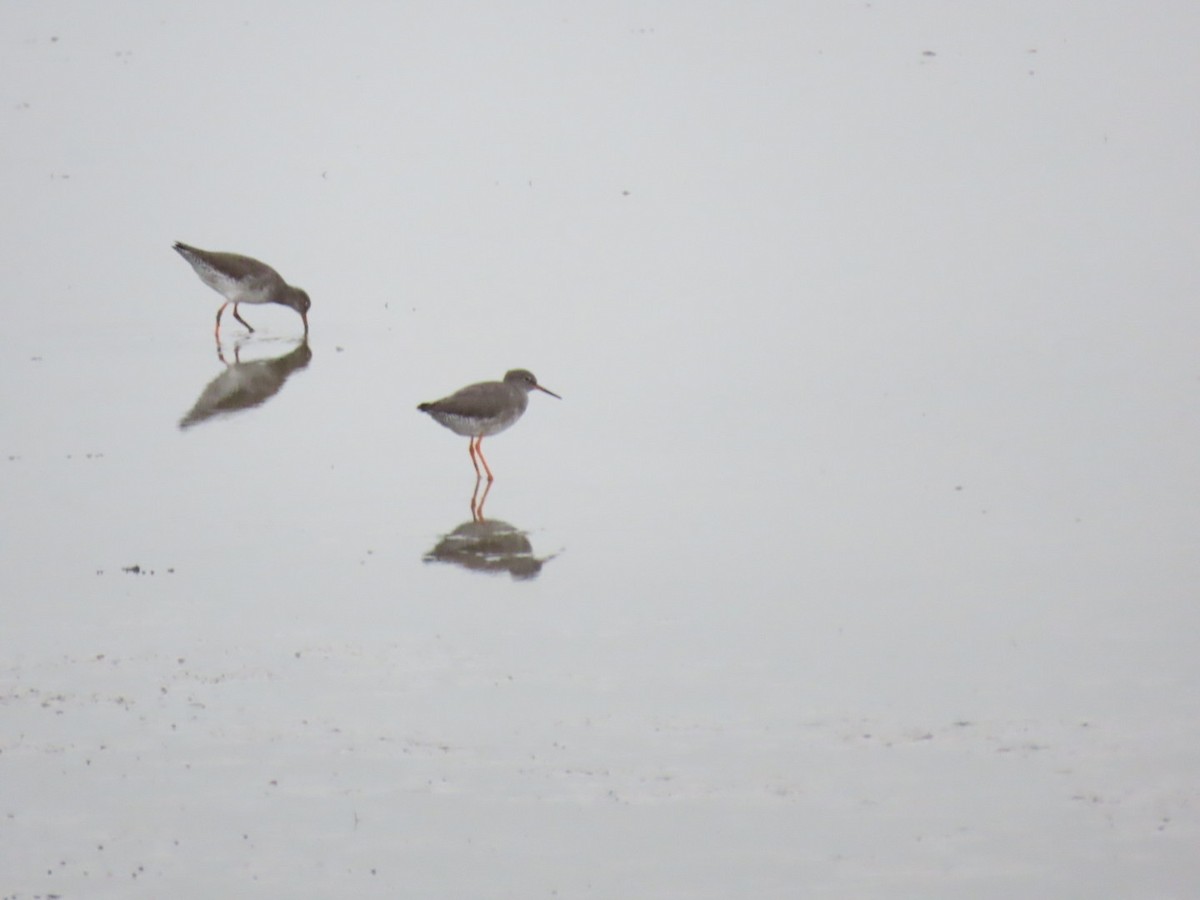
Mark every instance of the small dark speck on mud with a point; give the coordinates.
(138, 569)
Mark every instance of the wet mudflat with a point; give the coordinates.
(856, 560)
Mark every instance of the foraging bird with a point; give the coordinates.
(489, 407)
(240, 279)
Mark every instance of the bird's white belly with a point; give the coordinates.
(233, 289)
(468, 426)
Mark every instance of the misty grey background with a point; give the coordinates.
(868, 518)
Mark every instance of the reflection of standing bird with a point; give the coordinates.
(491, 547)
(485, 408)
(240, 279)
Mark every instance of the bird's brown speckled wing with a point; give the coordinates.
(474, 401)
(231, 265)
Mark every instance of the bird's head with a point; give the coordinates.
(298, 300)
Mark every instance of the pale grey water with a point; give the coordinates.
(867, 522)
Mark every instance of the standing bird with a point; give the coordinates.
(240, 279)
(485, 408)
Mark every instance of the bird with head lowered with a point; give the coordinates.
(242, 279)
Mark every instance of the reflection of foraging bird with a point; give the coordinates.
(240, 279)
(244, 385)
(485, 408)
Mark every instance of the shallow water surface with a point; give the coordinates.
(857, 559)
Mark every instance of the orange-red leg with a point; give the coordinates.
(217, 333)
(471, 450)
(483, 459)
